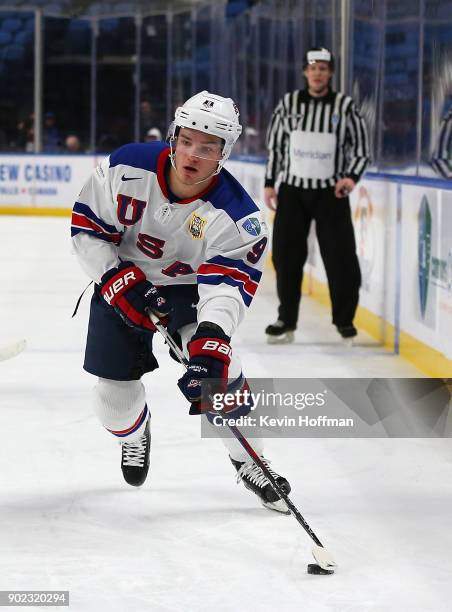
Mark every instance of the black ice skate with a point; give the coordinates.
(254, 479)
(348, 333)
(279, 333)
(135, 458)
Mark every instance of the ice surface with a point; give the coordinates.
(191, 540)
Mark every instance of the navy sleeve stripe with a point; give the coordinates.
(255, 275)
(218, 280)
(105, 237)
(84, 209)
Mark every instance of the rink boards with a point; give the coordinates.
(403, 231)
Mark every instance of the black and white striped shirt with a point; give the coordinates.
(442, 156)
(335, 114)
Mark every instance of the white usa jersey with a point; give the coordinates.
(217, 239)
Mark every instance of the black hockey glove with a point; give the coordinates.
(210, 356)
(126, 289)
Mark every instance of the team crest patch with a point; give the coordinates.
(252, 226)
(196, 226)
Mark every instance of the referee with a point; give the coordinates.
(317, 142)
(442, 155)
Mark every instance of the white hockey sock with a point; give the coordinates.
(236, 450)
(121, 407)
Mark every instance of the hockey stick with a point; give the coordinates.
(7, 352)
(320, 554)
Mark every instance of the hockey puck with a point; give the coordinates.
(313, 568)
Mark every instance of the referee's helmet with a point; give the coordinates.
(318, 54)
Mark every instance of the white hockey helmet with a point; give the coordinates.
(211, 114)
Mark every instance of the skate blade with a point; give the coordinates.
(286, 338)
(277, 506)
(349, 342)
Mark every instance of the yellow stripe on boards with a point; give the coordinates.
(34, 211)
(430, 361)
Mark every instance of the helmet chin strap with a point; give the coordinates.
(172, 157)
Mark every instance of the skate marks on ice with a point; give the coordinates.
(175, 540)
(361, 348)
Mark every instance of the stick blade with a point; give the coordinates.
(277, 506)
(323, 558)
(8, 352)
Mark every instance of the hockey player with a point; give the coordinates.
(167, 229)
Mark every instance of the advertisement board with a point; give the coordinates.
(442, 275)
(49, 181)
(420, 248)
(373, 216)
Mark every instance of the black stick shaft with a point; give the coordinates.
(247, 446)
(255, 457)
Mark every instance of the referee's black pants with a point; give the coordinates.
(296, 209)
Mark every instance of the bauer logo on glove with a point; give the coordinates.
(127, 290)
(214, 345)
(117, 287)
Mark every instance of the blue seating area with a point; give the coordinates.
(11, 24)
(78, 36)
(16, 38)
(5, 38)
(249, 49)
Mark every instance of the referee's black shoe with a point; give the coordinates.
(347, 331)
(279, 333)
(348, 334)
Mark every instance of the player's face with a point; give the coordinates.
(197, 155)
(318, 76)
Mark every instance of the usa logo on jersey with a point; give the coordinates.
(252, 226)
